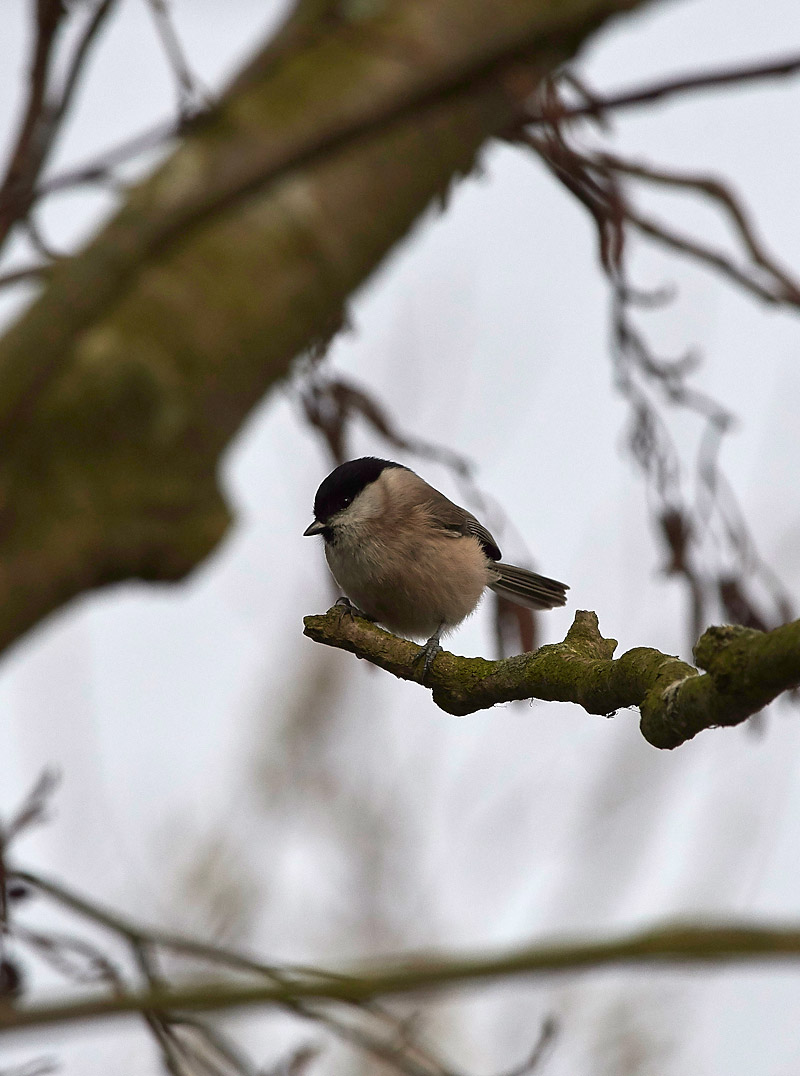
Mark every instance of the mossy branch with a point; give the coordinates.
(302, 988)
(668, 945)
(744, 670)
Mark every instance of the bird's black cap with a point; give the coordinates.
(345, 483)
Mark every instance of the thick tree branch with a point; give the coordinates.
(659, 946)
(122, 384)
(745, 670)
(596, 106)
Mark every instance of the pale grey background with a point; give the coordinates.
(174, 713)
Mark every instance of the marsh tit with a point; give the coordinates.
(409, 558)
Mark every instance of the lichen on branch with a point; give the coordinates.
(744, 670)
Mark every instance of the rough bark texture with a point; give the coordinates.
(745, 669)
(122, 384)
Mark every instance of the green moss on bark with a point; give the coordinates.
(745, 670)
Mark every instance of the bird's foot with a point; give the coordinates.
(427, 654)
(353, 610)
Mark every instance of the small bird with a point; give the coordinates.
(411, 559)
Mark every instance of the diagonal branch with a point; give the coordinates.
(44, 111)
(745, 670)
(190, 96)
(22, 167)
(595, 107)
(124, 381)
(785, 293)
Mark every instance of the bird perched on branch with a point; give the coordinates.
(411, 559)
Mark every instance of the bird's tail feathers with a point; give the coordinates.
(527, 588)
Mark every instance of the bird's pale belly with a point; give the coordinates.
(441, 587)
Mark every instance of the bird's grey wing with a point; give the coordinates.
(451, 517)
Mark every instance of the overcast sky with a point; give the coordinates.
(167, 709)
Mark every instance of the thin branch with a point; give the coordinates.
(131, 931)
(79, 57)
(297, 1064)
(157, 1022)
(534, 1059)
(40, 245)
(21, 168)
(676, 946)
(590, 178)
(595, 178)
(35, 808)
(42, 1066)
(409, 1058)
(74, 958)
(722, 196)
(190, 96)
(98, 169)
(220, 1043)
(597, 104)
(44, 112)
(746, 669)
(24, 274)
(708, 255)
(415, 1060)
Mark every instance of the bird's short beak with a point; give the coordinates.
(315, 528)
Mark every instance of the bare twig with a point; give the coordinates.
(157, 1021)
(41, 1066)
(297, 1063)
(24, 275)
(38, 241)
(597, 105)
(220, 1043)
(144, 943)
(692, 534)
(190, 95)
(22, 166)
(99, 169)
(45, 109)
(702, 252)
(78, 960)
(331, 404)
(132, 932)
(77, 64)
(407, 1057)
(34, 808)
(723, 197)
(540, 1050)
